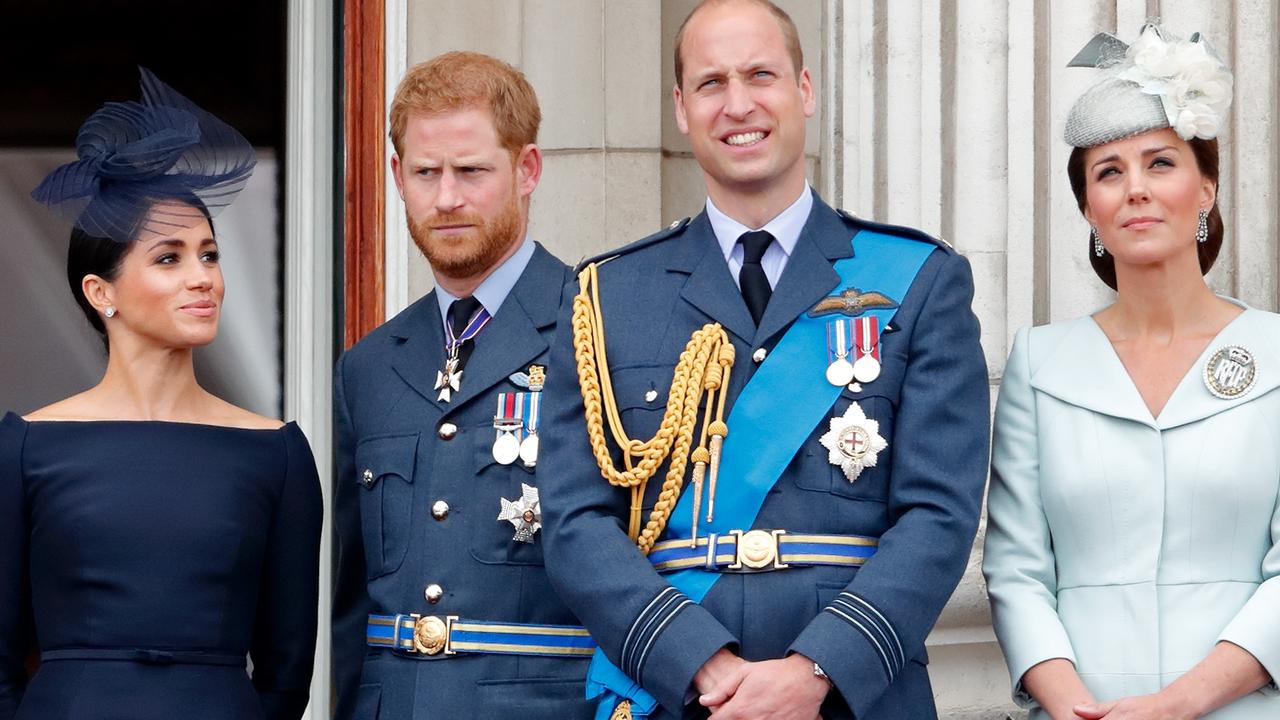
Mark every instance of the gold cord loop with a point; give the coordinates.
(702, 371)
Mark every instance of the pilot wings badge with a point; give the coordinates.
(851, 302)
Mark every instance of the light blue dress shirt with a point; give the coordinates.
(785, 228)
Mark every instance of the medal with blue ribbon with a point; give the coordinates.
(532, 413)
(839, 367)
(516, 425)
(449, 379)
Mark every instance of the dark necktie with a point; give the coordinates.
(751, 279)
(460, 314)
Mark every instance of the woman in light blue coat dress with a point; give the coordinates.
(1132, 553)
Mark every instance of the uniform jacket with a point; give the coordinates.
(1128, 544)
(391, 546)
(921, 499)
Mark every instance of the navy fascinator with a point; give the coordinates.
(142, 164)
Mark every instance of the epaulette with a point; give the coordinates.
(666, 232)
(898, 230)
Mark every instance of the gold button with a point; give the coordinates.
(440, 510)
(759, 355)
(433, 593)
(447, 431)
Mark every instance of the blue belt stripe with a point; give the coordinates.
(787, 548)
(862, 551)
(380, 631)
(469, 636)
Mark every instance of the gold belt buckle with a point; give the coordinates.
(431, 634)
(757, 550)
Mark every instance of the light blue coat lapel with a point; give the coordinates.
(1192, 400)
(1084, 370)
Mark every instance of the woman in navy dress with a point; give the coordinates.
(153, 536)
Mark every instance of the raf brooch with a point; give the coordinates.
(853, 442)
(525, 514)
(1231, 372)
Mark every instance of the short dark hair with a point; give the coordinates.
(1206, 154)
(790, 35)
(93, 255)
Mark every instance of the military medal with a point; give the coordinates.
(1231, 372)
(508, 422)
(853, 442)
(529, 446)
(840, 370)
(449, 380)
(866, 368)
(525, 514)
(533, 414)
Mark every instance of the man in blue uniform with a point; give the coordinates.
(806, 392)
(443, 608)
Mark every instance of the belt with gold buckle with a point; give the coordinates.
(440, 636)
(754, 551)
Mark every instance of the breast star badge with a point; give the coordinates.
(525, 514)
(853, 441)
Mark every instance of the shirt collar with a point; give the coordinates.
(785, 226)
(494, 289)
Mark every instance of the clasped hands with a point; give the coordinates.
(735, 689)
(1155, 706)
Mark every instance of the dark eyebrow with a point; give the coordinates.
(175, 242)
(170, 242)
(1152, 151)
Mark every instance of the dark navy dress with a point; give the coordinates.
(145, 560)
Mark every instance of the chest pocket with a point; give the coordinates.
(385, 467)
(878, 402)
(492, 540)
(641, 393)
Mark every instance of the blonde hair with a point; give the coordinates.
(468, 80)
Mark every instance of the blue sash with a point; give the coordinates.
(765, 434)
